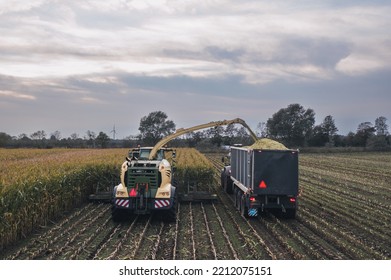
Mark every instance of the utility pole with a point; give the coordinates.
(114, 132)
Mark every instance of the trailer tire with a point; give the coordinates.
(289, 214)
(228, 185)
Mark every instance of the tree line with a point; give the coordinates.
(293, 126)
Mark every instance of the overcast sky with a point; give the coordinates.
(80, 65)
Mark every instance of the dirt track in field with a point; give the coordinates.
(341, 216)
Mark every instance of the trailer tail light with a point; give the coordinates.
(252, 199)
(292, 199)
(262, 185)
(133, 193)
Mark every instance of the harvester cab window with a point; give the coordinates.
(160, 155)
(144, 153)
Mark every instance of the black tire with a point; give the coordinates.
(222, 177)
(289, 214)
(228, 185)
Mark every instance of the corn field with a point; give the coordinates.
(344, 211)
(39, 185)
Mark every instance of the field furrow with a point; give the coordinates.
(344, 212)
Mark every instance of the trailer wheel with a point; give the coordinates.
(228, 185)
(289, 214)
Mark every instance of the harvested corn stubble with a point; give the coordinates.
(267, 144)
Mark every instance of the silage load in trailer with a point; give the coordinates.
(267, 144)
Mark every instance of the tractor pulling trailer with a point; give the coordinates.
(262, 180)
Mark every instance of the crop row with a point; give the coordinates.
(37, 186)
(337, 219)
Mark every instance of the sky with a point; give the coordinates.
(77, 65)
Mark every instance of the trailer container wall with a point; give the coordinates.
(275, 172)
(266, 172)
(241, 165)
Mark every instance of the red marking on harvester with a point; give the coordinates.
(133, 193)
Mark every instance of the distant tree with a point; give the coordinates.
(329, 128)
(230, 134)
(364, 131)
(349, 139)
(381, 126)
(4, 139)
(215, 134)
(56, 135)
(23, 136)
(154, 127)
(291, 125)
(193, 138)
(261, 129)
(38, 135)
(319, 137)
(91, 136)
(74, 136)
(243, 137)
(378, 143)
(102, 140)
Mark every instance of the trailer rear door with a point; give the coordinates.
(275, 172)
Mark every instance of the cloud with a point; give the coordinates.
(162, 38)
(11, 94)
(101, 61)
